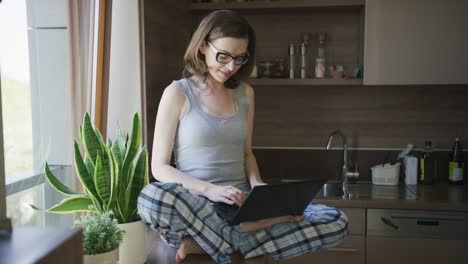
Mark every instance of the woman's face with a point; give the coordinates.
(225, 56)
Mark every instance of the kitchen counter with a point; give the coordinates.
(439, 196)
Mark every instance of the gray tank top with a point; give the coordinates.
(210, 147)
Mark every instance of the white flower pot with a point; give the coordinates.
(110, 257)
(133, 250)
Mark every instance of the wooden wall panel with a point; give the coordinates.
(167, 29)
(371, 116)
(280, 164)
(382, 117)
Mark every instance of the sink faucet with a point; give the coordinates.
(344, 171)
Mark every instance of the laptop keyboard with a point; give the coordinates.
(225, 211)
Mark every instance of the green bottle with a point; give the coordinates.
(428, 165)
(456, 163)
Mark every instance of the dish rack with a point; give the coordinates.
(386, 175)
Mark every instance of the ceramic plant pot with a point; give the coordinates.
(111, 257)
(133, 250)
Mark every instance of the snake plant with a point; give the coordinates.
(112, 174)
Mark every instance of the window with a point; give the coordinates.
(16, 93)
(36, 104)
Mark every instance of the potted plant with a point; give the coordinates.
(112, 176)
(101, 238)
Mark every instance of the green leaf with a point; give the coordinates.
(121, 140)
(132, 149)
(102, 183)
(114, 177)
(117, 153)
(83, 174)
(91, 143)
(54, 182)
(89, 166)
(138, 180)
(35, 207)
(72, 204)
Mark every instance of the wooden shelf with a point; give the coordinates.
(300, 82)
(279, 4)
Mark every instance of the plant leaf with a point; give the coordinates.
(132, 149)
(113, 173)
(137, 182)
(121, 140)
(117, 153)
(102, 183)
(84, 176)
(78, 203)
(54, 182)
(89, 166)
(35, 207)
(90, 140)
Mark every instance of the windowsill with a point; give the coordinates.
(26, 181)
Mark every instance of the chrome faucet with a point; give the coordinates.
(344, 171)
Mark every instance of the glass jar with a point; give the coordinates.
(320, 68)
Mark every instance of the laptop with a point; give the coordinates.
(272, 200)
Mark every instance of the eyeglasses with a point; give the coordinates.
(225, 58)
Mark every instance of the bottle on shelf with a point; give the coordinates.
(303, 60)
(456, 163)
(305, 56)
(428, 165)
(292, 61)
(321, 48)
(320, 66)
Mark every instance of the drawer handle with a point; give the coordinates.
(389, 223)
(427, 222)
(340, 249)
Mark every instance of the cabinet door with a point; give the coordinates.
(416, 42)
(350, 251)
(383, 250)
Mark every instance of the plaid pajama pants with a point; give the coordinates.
(175, 213)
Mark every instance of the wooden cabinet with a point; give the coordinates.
(279, 23)
(410, 236)
(351, 250)
(415, 42)
(384, 250)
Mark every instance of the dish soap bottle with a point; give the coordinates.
(428, 165)
(456, 163)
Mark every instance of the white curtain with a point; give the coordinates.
(80, 24)
(2, 164)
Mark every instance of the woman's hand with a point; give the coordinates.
(226, 194)
(256, 225)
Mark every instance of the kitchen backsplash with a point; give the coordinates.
(371, 116)
(277, 164)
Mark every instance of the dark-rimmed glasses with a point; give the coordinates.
(225, 58)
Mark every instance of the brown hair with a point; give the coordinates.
(219, 24)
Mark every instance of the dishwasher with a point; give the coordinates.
(412, 237)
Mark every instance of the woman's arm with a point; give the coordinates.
(167, 119)
(251, 167)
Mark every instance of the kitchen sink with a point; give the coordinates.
(365, 190)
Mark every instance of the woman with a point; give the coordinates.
(206, 119)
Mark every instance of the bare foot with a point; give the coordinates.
(188, 246)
